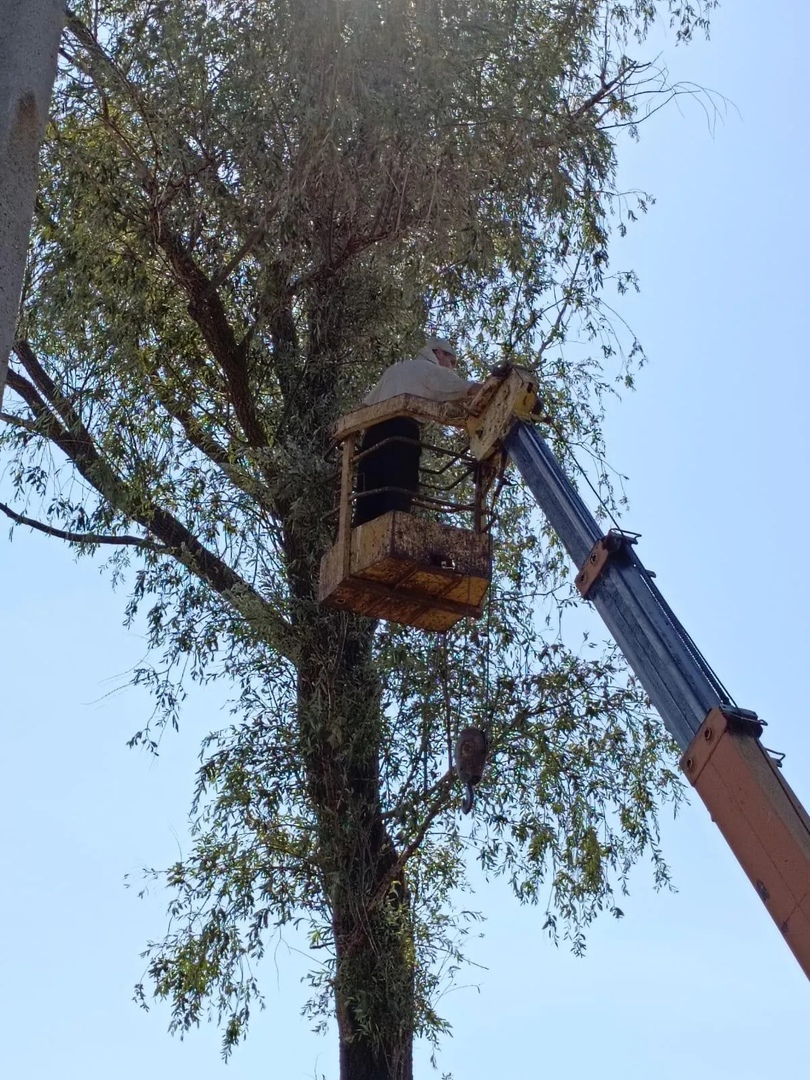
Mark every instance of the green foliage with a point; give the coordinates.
(248, 210)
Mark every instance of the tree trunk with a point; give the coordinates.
(341, 730)
(29, 40)
(374, 988)
(340, 718)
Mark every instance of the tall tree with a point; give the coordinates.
(249, 210)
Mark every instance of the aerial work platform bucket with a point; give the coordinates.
(412, 568)
(409, 570)
(417, 568)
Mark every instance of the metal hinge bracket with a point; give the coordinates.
(600, 555)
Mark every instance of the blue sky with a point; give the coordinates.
(716, 444)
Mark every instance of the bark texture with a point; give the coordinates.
(339, 712)
(29, 40)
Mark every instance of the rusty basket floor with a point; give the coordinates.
(409, 570)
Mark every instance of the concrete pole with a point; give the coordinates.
(29, 40)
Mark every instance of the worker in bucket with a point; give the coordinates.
(395, 462)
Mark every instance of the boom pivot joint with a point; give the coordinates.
(614, 544)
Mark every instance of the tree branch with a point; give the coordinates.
(606, 87)
(83, 538)
(79, 447)
(206, 309)
(205, 305)
(442, 788)
(20, 422)
(47, 387)
(217, 454)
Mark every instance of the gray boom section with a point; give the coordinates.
(681, 685)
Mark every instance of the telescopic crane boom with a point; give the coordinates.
(762, 820)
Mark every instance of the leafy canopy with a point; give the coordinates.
(248, 210)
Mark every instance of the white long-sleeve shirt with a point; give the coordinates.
(421, 377)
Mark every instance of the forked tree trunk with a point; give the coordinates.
(29, 40)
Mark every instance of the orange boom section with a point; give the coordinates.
(761, 819)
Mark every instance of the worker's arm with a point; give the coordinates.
(443, 384)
